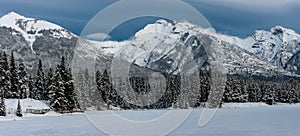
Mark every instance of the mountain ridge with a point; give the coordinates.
(45, 40)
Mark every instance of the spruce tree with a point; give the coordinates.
(1, 73)
(252, 92)
(30, 87)
(269, 96)
(204, 85)
(23, 86)
(58, 100)
(19, 110)
(104, 86)
(48, 84)
(68, 82)
(63, 70)
(99, 92)
(38, 89)
(5, 74)
(69, 91)
(14, 84)
(2, 107)
(292, 93)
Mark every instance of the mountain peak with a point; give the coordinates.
(30, 28)
(280, 30)
(15, 14)
(17, 22)
(11, 16)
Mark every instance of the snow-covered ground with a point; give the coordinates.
(244, 105)
(11, 107)
(242, 120)
(11, 104)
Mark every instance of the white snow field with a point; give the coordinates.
(253, 120)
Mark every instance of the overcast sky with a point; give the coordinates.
(234, 17)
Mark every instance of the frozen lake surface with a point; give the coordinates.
(255, 121)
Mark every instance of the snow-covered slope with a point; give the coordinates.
(31, 28)
(32, 39)
(279, 46)
(166, 46)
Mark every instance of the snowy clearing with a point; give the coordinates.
(244, 105)
(254, 121)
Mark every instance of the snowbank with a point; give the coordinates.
(244, 105)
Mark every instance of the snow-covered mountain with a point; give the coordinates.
(161, 46)
(30, 28)
(280, 46)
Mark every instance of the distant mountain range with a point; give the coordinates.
(161, 46)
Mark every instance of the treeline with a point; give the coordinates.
(237, 89)
(57, 87)
(66, 93)
(270, 92)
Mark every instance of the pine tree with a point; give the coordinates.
(99, 91)
(105, 87)
(69, 91)
(38, 89)
(292, 94)
(227, 97)
(5, 74)
(30, 87)
(270, 93)
(63, 70)
(1, 74)
(2, 107)
(204, 86)
(48, 83)
(23, 86)
(252, 92)
(14, 84)
(19, 110)
(58, 100)
(68, 82)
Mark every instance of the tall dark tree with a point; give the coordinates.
(204, 86)
(63, 69)
(38, 89)
(1, 74)
(269, 94)
(5, 75)
(14, 79)
(105, 86)
(99, 91)
(58, 101)
(69, 91)
(30, 87)
(253, 92)
(23, 81)
(2, 107)
(68, 82)
(293, 94)
(48, 83)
